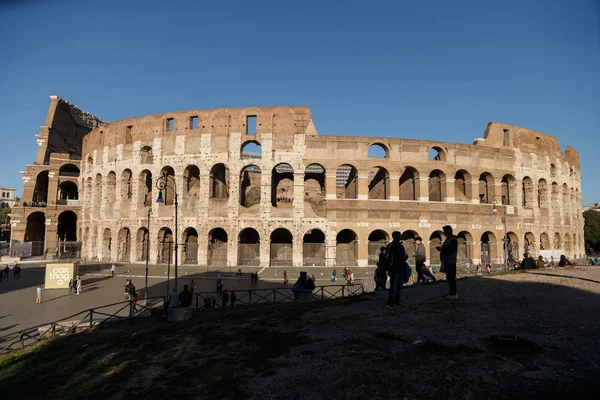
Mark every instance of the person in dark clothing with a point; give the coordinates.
(396, 260)
(563, 262)
(225, 298)
(420, 258)
(528, 262)
(185, 297)
(232, 297)
(448, 254)
(382, 268)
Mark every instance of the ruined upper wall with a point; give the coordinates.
(64, 129)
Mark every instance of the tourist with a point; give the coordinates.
(225, 298)
(479, 269)
(420, 259)
(382, 268)
(78, 284)
(448, 254)
(71, 287)
(551, 261)
(313, 278)
(132, 292)
(113, 269)
(174, 298)
(285, 278)
(348, 278)
(192, 286)
(396, 260)
(185, 297)
(540, 262)
(219, 285)
(239, 272)
(17, 271)
(232, 297)
(468, 266)
(563, 262)
(299, 285)
(127, 283)
(39, 290)
(6, 271)
(528, 262)
(334, 276)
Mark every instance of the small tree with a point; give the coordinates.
(4, 218)
(592, 228)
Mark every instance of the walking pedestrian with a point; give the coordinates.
(39, 290)
(448, 254)
(313, 278)
(192, 286)
(78, 285)
(225, 298)
(382, 267)
(285, 278)
(420, 259)
(6, 271)
(233, 298)
(17, 271)
(113, 269)
(396, 260)
(219, 285)
(334, 276)
(71, 287)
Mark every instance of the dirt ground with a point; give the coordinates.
(430, 348)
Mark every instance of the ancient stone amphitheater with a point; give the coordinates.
(259, 186)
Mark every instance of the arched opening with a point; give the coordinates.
(145, 188)
(169, 191)
(98, 189)
(486, 182)
(143, 244)
(111, 187)
(513, 248)
(217, 247)
(67, 190)
(379, 180)
(544, 241)
(437, 191)
(529, 243)
(126, 189)
(191, 177)
(567, 243)
(282, 186)
(165, 245)
(408, 184)
(146, 155)
(377, 239)
(552, 170)
(509, 195)
(565, 198)
(282, 247)
(250, 187)
(190, 248)
(377, 150)
(124, 245)
(408, 240)
(314, 191)
(40, 192)
(249, 247)
(542, 194)
(488, 247)
(346, 248)
(88, 193)
(69, 170)
(35, 231)
(346, 182)
(465, 248)
(462, 184)
(557, 241)
(436, 154)
(106, 245)
(251, 151)
(527, 192)
(67, 227)
(219, 181)
(89, 163)
(314, 248)
(435, 240)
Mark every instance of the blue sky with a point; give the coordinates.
(417, 69)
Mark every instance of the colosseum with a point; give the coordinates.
(259, 186)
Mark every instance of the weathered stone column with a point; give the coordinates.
(394, 187)
(362, 259)
(363, 187)
(422, 188)
(330, 186)
(448, 190)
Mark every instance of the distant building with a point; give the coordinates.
(594, 206)
(7, 197)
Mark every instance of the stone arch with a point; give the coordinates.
(40, 192)
(542, 194)
(435, 240)
(67, 226)
(489, 246)
(146, 155)
(88, 192)
(191, 177)
(251, 150)
(378, 150)
(508, 192)
(69, 170)
(408, 238)
(145, 188)
(89, 163)
(250, 187)
(143, 243)
(67, 190)
(544, 241)
(513, 248)
(379, 184)
(555, 198)
(377, 239)
(346, 247)
(126, 185)
(462, 185)
(249, 247)
(346, 182)
(217, 247)
(106, 244)
(565, 198)
(190, 246)
(169, 191)
(557, 241)
(567, 242)
(409, 187)
(35, 231)
(437, 190)
(124, 245)
(165, 245)
(527, 192)
(282, 186)
(529, 243)
(219, 181)
(282, 247)
(98, 189)
(111, 188)
(486, 182)
(314, 191)
(313, 244)
(436, 153)
(552, 170)
(465, 247)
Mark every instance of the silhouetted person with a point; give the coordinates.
(528, 262)
(420, 259)
(540, 262)
(563, 262)
(396, 260)
(382, 268)
(448, 254)
(185, 297)
(225, 298)
(233, 298)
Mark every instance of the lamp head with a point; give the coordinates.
(160, 197)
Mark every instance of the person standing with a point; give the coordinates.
(448, 254)
(78, 285)
(39, 290)
(71, 287)
(192, 286)
(382, 268)
(334, 276)
(396, 260)
(6, 271)
(285, 278)
(113, 269)
(232, 297)
(225, 298)
(219, 285)
(420, 258)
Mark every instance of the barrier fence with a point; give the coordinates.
(157, 307)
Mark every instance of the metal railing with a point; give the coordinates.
(67, 202)
(157, 306)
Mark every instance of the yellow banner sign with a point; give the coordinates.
(59, 275)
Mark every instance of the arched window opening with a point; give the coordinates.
(377, 150)
(143, 244)
(217, 247)
(190, 248)
(408, 184)
(544, 241)
(145, 188)
(67, 190)
(191, 175)
(557, 241)
(346, 248)
(435, 240)
(35, 231)
(282, 186)
(542, 194)
(98, 189)
(146, 155)
(67, 227)
(169, 191)
(70, 170)
(314, 248)
(165, 245)
(126, 189)
(89, 163)
(461, 191)
(249, 247)
(40, 192)
(250, 187)
(513, 248)
(219, 181)
(379, 184)
(282, 244)
(567, 242)
(485, 188)
(408, 239)
(552, 170)
(314, 191)
(124, 245)
(527, 192)
(346, 182)
(436, 154)
(436, 187)
(111, 187)
(465, 249)
(488, 247)
(106, 245)
(529, 243)
(555, 197)
(377, 239)
(508, 190)
(251, 151)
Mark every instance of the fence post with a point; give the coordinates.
(130, 312)
(322, 292)
(22, 342)
(343, 288)
(91, 317)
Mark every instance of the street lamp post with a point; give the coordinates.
(147, 252)
(495, 210)
(162, 184)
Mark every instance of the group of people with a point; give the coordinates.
(5, 272)
(75, 285)
(130, 291)
(529, 263)
(186, 296)
(254, 278)
(304, 283)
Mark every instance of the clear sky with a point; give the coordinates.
(416, 69)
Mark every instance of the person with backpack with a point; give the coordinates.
(448, 254)
(396, 261)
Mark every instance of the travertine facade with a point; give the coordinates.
(283, 195)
